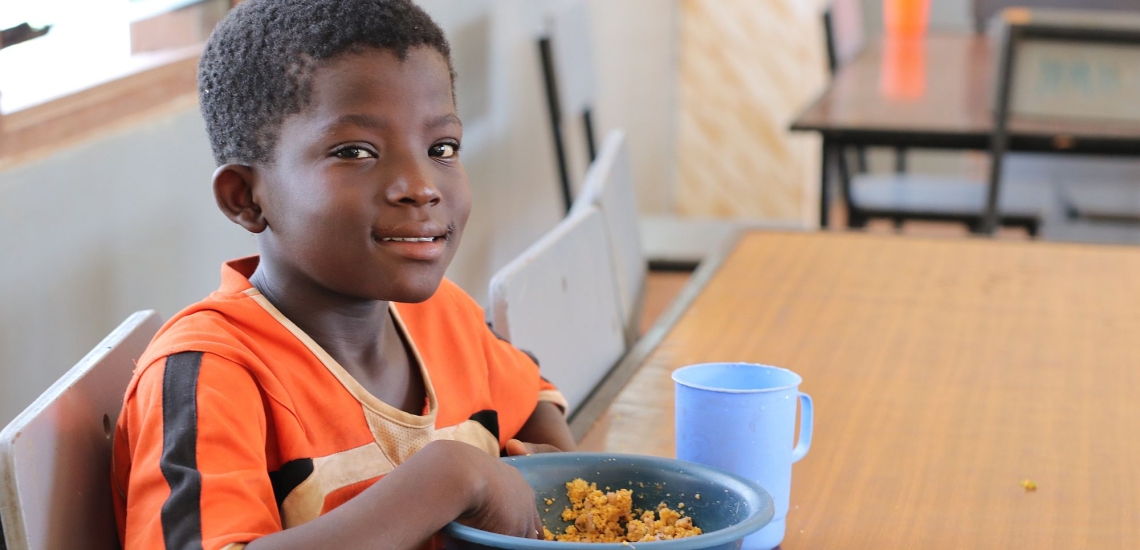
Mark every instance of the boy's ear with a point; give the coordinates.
(233, 189)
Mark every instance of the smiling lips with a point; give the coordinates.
(410, 239)
(425, 249)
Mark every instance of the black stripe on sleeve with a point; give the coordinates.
(489, 419)
(290, 475)
(182, 512)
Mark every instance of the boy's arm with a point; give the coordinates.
(196, 475)
(445, 480)
(545, 431)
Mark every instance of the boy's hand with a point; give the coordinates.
(546, 429)
(515, 447)
(503, 502)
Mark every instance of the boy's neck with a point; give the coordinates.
(359, 334)
(346, 327)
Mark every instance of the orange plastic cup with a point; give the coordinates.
(903, 68)
(905, 18)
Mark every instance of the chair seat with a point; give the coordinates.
(907, 196)
(1103, 203)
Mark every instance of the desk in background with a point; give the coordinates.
(944, 373)
(947, 105)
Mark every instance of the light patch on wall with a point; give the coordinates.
(746, 70)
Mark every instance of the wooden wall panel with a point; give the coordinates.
(747, 67)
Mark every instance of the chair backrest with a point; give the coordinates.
(55, 457)
(843, 29)
(1075, 64)
(609, 186)
(558, 300)
(568, 68)
(984, 10)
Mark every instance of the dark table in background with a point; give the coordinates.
(939, 96)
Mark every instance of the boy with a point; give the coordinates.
(335, 392)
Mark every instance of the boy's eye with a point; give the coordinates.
(354, 153)
(444, 150)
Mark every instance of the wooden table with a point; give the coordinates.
(950, 108)
(944, 373)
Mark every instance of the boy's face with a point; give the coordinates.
(366, 196)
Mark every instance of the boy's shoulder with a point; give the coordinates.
(219, 323)
(222, 324)
(230, 321)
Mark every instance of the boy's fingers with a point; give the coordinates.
(538, 534)
(515, 447)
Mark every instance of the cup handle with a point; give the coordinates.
(805, 428)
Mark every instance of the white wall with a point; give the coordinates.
(636, 55)
(95, 232)
(127, 221)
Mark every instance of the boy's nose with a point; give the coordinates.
(413, 186)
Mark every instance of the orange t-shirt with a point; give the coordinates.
(237, 424)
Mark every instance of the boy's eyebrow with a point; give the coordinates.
(369, 121)
(445, 120)
(366, 121)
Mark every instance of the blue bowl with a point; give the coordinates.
(730, 507)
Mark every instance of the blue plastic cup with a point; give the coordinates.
(741, 417)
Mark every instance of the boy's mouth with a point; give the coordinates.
(412, 234)
(422, 244)
(410, 239)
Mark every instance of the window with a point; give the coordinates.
(100, 62)
(91, 42)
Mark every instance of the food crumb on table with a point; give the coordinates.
(1028, 485)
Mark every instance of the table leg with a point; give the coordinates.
(990, 214)
(839, 151)
(824, 194)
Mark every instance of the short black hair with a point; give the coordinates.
(257, 65)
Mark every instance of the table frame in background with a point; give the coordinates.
(954, 112)
(945, 372)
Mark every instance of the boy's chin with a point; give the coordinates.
(413, 292)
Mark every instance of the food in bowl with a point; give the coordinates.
(598, 516)
(730, 507)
